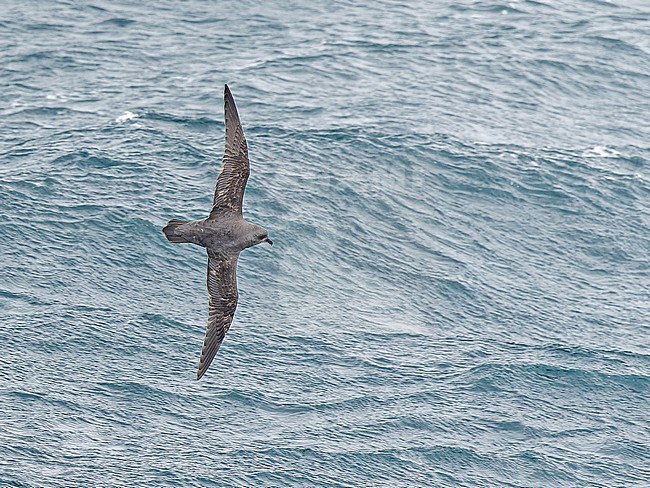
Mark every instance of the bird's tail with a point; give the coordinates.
(172, 231)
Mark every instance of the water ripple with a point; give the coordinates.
(457, 294)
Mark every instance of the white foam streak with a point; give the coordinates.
(126, 116)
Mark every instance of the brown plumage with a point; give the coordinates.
(235, 167)
(223, 296)
(224, 234)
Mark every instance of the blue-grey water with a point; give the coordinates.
(459, 290)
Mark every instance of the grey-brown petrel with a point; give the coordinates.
(224, 234)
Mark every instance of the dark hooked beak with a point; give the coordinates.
(269, 241)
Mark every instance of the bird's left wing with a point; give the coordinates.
(223, 295)
(235, 168)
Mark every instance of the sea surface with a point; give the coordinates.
(459, 198)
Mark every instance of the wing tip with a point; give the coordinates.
(201, 368)
(227, 94)
(230, 108)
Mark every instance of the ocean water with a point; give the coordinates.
(459, 290)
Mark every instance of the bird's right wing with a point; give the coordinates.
(223, 296)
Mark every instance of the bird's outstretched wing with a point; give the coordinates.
(223, 295)
(231, 182)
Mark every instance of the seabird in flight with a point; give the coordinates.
(224, 234)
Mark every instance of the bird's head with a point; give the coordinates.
(263, 236)
(258, 235)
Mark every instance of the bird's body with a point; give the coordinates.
(217, 235)
(224, 234)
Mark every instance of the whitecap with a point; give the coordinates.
(126, 116)
(601, 152)
(59, 97)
